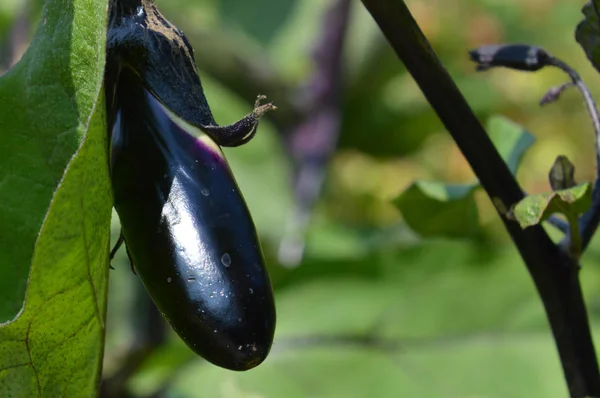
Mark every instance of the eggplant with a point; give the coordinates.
(188, 232)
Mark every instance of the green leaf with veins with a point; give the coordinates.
(55, 208)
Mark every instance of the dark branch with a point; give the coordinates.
(555, 274)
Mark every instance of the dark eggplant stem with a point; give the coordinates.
(556, 275)
(312, 139)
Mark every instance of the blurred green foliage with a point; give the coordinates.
(374, 310)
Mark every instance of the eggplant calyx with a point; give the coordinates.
(243, 130)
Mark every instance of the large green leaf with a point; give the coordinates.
(434, 208)
(54, 224)
(46, 103)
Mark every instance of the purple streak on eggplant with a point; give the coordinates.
(187, 229)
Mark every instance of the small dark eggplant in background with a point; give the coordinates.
(188, 231)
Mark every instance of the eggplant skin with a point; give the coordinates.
(188, 230)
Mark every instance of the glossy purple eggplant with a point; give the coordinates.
(188, 231)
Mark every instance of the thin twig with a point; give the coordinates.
(555, 274)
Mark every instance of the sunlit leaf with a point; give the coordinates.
(571, 202)
(54, 224)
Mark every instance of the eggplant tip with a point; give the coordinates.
(244, 357)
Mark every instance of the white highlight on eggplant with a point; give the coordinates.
(180, 221)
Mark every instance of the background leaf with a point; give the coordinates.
(245, 14)
(52, 102)
(433, 208)
(437, 209)
(510, 139)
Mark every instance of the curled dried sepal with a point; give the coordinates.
(242, 131)
(514, 56)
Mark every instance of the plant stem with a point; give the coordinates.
(555, 274)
